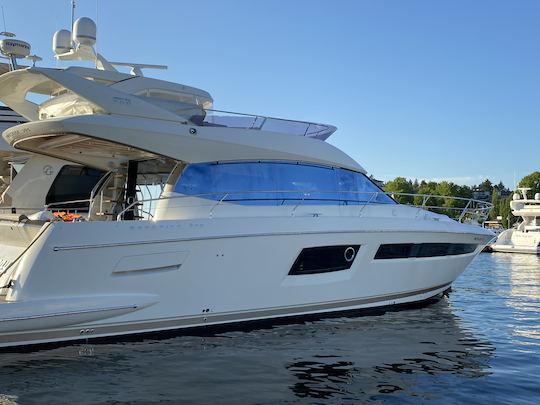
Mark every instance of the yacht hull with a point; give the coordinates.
(515, 241)
(515, 249)
(219, 271)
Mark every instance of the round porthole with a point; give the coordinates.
(349, 254)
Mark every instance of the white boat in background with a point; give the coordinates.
(244, 217)
(525, 236)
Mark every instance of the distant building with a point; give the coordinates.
(481, 195)
(486, 195)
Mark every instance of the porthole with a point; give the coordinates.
(349, 254)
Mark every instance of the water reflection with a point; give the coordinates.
(412, 353)
(524, 293)
(389, 354)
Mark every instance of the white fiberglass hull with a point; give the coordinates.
(515, 241)
(515, 249)
(188, 273)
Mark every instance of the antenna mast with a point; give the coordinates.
(4, 19)
(72, 18)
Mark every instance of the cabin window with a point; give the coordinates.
(278, 183)
(324, 259)
(409, 250)
(71, 184)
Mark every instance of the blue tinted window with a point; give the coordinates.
(273, 183)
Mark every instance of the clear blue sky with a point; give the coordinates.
(419, 88)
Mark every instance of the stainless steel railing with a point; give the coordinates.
(258, 122)
(459, 208)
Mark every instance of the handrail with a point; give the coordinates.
(312, 129)
(478, 209)
(47, 206)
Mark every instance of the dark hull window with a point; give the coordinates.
(406, 250)
(324, 259)
(73, 183)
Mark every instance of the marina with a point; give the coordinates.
(297, 210)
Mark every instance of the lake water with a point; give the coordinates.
(480, 345)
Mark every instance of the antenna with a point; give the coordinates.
(72, 18)
(5, 33)
(97, 24)
(4, 19)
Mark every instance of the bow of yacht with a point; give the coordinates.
(203, 217)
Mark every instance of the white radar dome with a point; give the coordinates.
(537, 196)
(61, 42)
(14, 48)
(84, 31)
(516, 197)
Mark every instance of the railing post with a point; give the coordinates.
(301, 201)
(464, 211)
(368, 202)
(211, 213)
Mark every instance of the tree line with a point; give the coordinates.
(499, 195)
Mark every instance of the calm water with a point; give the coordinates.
(481, 344)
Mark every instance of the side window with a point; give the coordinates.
(324, 259)
(421, 250)
(73, 183)
(278, 183)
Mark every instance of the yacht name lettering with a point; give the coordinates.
(122, 100)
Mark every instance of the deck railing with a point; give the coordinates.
(458, 208)
(258, 122)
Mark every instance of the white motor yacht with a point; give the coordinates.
(243, 218)
(525, 236)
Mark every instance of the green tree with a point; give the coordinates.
(531, 181)
(415, 185)
(495, 201)
(508, 219)
(500, 186)
(445, 188)
(425, 188)
(400, 185)
(486, 185)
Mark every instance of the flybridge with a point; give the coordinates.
(105, 90)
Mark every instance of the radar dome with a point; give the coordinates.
(516, 197)
(84, 31)
(537, 196)
(14, 48)
(61, 42)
